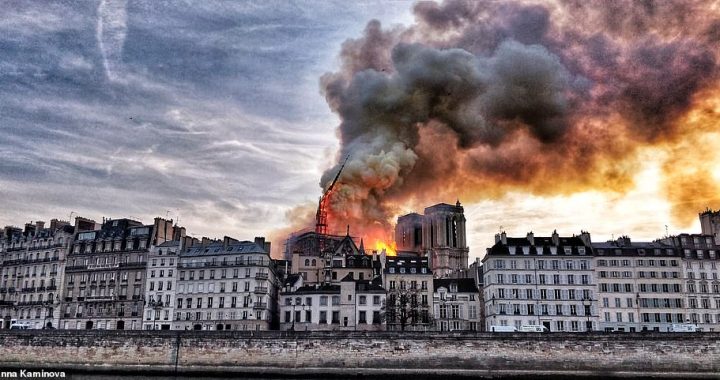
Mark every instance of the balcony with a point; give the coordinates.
(138, 265)
(261, 276)
(81, 298)
(27, 290)
(260, 305)
(102, 266)
(68, 299)
(261, 290)
(99, 298)
(52, 287)
(75, 268)
(6, 303)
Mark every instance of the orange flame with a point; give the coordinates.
(390, 248)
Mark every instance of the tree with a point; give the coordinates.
(404, 309)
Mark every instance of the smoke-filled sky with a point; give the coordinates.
(601, 116)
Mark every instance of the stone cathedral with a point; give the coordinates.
(439, 234)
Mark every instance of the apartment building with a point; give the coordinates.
(545, 281)
(161, 285)
(105, 274)
(700, 277)
(409, 284)
(351, 304)
(640, 285)
(32, 269)
(226, 285)
(456, 305)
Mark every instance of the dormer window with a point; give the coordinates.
(402, 270)
(392, 270)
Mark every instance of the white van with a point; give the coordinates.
(19, 326)
(503, 329)
(533, 328)
(683, 327)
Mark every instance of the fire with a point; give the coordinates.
(390, 248)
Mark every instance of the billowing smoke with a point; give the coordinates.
(480, 98)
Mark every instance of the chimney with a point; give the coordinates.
(585, 237)
(531, 238)
(503, 238)
(260, 241)
(29, 229)
(267, 247)
(40, 225)
(555, 238)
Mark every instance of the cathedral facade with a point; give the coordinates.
(438, 234)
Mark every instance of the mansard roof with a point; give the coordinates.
(243, 247)
(464, 285)
(542, 246)
(624, 247)
(407, 262)
(317, 289)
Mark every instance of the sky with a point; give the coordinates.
(218, 114)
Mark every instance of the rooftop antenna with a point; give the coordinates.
(167, 212)
(666, 231)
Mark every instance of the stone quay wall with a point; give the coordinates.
(275, 353)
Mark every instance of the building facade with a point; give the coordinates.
(440, 235)
(351, 304)
(701, 278)
(105, 274)
(408, 281)
(226, 285)
(457, 305)
(161, 285)
(32, 271)
(540, 281)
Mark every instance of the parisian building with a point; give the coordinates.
(457, 305)
(408, 281)
(700, 271)
(105, 274)
(545, 281)
(350, 304)
(439, 234)
(639, 285)
(226, 285)
(33, 263)
(161, 283)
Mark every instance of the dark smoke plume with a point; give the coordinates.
(480, 98)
